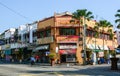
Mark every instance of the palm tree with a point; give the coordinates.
(110, 31)
(104, 24)
(82, 15)
(96, 33)
(118, 20)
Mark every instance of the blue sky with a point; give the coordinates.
(38, 9)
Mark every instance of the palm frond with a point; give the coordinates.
(118, 10)
(117, 15)
(117, 20)
(118, 26)
(104, 23)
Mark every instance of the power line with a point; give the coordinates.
(15, 12)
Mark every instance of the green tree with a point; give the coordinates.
(96, 30)
(96, 33)
(104, 24)
(118, 18)
(82, 15)
(110, 31)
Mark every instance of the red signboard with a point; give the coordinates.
(67, 51)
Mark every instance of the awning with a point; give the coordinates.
(95, 46)
(67, 51)
(42, 47)
(89, 46)
(111, 48)
(97, 50)
(105, 47)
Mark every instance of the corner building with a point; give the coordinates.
(61, 35)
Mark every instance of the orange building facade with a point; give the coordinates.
(57, 34)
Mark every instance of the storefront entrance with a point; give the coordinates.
(42, 56)
(41, 53)
(68, 58)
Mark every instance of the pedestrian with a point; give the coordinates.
(32, 60)
(37, 58)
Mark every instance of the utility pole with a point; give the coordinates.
(84, 40)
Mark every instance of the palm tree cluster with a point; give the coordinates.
(82, 14)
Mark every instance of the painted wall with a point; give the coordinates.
(45, 23)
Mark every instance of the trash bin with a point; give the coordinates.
(114, 63)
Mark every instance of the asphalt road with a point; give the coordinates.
(61, 70)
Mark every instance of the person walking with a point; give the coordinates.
(32, 60)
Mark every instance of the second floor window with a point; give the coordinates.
(45, 33)
(67, 31)
(48, 33)
(41, 34)
(89, 33)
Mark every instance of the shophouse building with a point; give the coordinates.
(18, 44)
(58, 34)
(2, 42)
(27, 38)
(6, 48)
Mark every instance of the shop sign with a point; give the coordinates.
(67, 39)
(70, 59)
(56, 49)
(67, 51)
(43, 47)
(46, 53)
(16, 49)
(101, 54)
(67, 46)
(118, 37)
(45, 40)
(7, 45)
(0, 48)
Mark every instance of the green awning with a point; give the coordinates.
(97, 50)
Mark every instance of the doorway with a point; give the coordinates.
(63, 58)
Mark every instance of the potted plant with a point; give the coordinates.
(52, 57)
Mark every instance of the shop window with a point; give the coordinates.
(67, 31)
(101, 35)
(89, 33)
(41, 34)
(45, 33)
(70, 58)
(48, 33)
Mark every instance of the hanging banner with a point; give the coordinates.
(118, 37)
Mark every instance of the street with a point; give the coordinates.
(61, 70)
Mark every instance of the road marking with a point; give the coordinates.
(27, 75)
